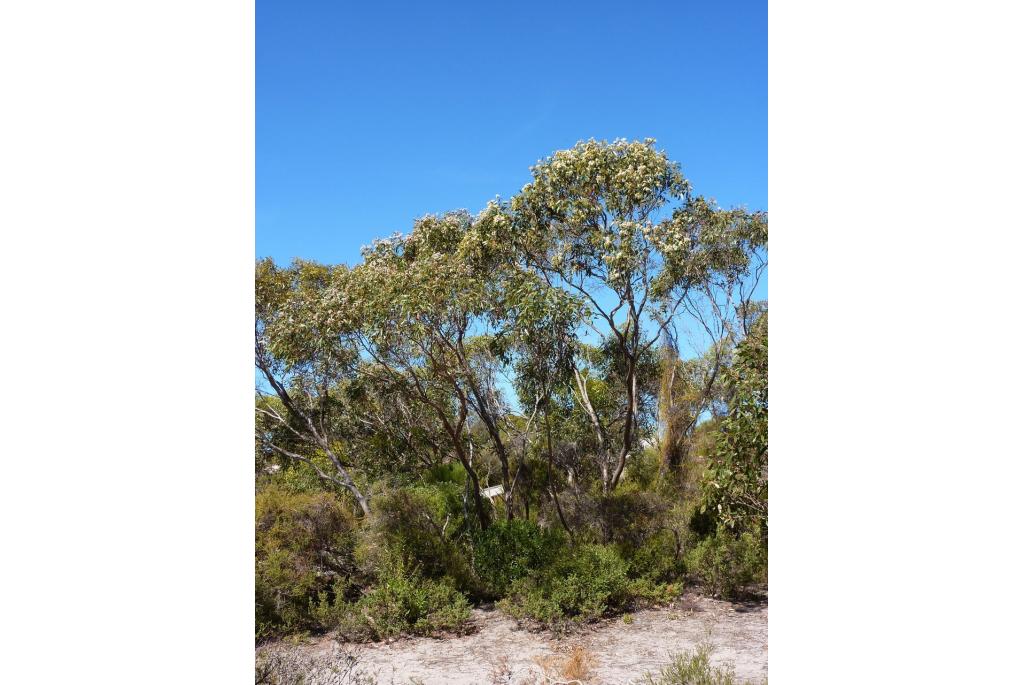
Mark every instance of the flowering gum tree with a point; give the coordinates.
(303, 359)
(434, 312)
(616, 226)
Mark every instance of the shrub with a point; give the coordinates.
(452, 472)
(692, 668)
(642, 469)
(647, 528)
(304, 546)
(580, 586)
(402, 603)
(424, 525)
(584, 583)
(510, 550)
(644, 591)
(629, 517)
(658, 558)
(726, 563)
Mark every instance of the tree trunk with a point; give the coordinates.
(478, 500)
(483, 411)
(551, 487)
(628, 425)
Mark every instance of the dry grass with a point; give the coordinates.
(502, 672)
(281, 667)
(574, 668)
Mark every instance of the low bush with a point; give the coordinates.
(693, 668)
(403, 602)
(648, 529)
(658, 558)
(453, 472)
(304, 546)
(425, 526)
(629, 517)
(583, 584)
(727, 563)
(510, 550)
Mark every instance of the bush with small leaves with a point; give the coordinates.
(403, 602)
(304, 546)
(585, 583)
(425, 526)
(510, 550)
(694, 668)
(659, 558)
(628, 517)
(727, 563)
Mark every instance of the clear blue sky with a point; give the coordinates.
(371, 114)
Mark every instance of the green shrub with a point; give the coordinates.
(403, 602)
(425, 526)
(642, 469)
(452, 472)
(648, 530)
(693, 668)
(510, 550)
(629, 517)
(658, 558)
(304, 546)
(626, 517)
(727, 563)
(644, 591)
(585, 583)
(580, 586)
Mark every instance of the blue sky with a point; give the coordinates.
(371, 114)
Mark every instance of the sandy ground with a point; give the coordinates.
(498, 651)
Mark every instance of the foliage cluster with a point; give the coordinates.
(402, 602)
(727, 563)
(582, 584)
(509, 551)
(304, 545)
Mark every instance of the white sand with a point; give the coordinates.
(499, 651)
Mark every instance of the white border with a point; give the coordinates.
(127, 186)
(895, 147)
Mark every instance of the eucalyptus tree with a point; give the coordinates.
(434, 312)
(395, 438)
(616, 225)
(542, 340)
(303, 360)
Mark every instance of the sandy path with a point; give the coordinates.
(621, 653)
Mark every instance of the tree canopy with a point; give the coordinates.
(537, 341)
